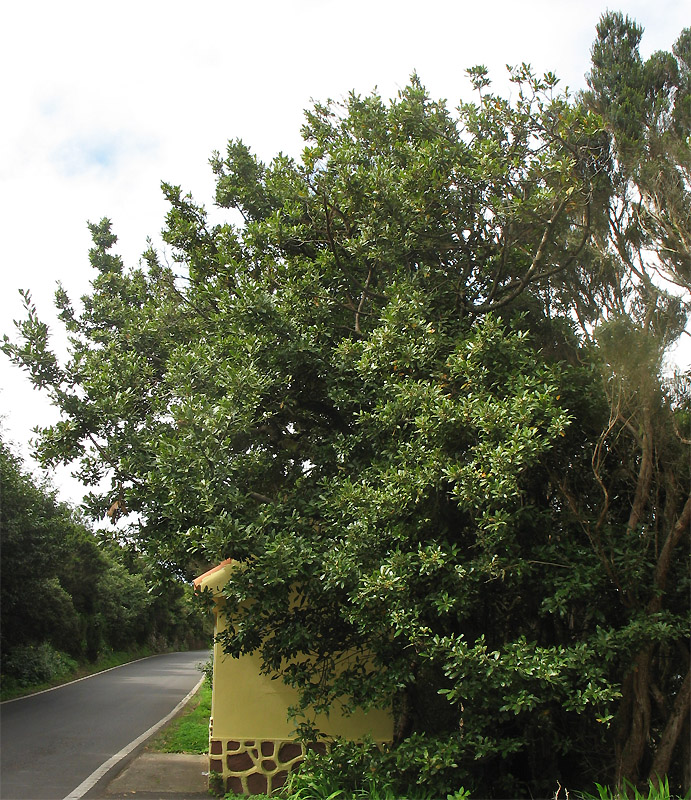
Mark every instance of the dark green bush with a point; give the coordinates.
(36, 664)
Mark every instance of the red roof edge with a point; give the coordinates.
(197, 581)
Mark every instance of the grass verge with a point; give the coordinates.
(188, 732)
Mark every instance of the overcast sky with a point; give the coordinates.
(100, 102)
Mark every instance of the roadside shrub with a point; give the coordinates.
(32, 664)
(207, 670)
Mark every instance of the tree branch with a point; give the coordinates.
(670, 735)
(681, 526)
(645, 473)
(363, 296)
(262, 498)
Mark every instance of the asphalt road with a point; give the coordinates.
(51, 742)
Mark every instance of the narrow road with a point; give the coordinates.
(53, 741)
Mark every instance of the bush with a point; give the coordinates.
(207, 670)
(30, 665)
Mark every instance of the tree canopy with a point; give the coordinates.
(417, 394)
(66, 596)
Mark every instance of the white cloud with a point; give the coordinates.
(101, 151)
(101, 102)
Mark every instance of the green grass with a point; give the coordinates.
(189, 732)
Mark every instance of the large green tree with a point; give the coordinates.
(388, 393)
(640, 524)
(37, 536)
(62, 585)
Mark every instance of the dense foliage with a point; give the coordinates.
(65, 596)
(417, 393)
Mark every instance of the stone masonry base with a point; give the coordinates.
(255, 766)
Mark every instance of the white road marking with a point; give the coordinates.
(97, 774)
(76, 680)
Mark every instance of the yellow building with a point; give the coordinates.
(251, 740)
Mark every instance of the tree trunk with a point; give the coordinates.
(686, 757)
(645, 473)
(673, 728)
(636, 737)
(681, 526)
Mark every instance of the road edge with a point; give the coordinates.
(89, 783)
(77, 680)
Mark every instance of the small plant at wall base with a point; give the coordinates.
(216, 786)
(207, 670)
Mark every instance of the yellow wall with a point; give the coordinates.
(249, 705)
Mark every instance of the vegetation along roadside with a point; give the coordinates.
(75, 601)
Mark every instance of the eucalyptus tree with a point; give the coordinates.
(640, 524)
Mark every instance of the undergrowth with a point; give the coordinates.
(661, 791)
